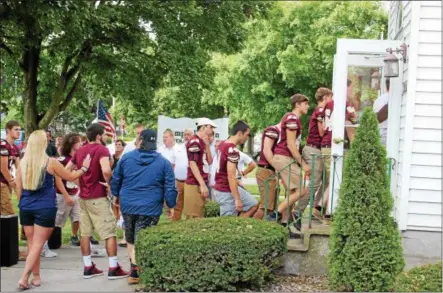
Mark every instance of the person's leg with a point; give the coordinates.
(250, 204)
(180, 201)
(226, 202)
(86, 228)
(194, 205)
(267, 188)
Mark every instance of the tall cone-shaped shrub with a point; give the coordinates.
(365, 249)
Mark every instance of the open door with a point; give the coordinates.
(361, 61)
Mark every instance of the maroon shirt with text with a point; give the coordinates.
(314, 138)
(227, 152)
(329, 110)
(90, 186)
(292, 123)
(10, 151)
(70, 187)
(273, 133)
(195, 148)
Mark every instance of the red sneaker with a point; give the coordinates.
(91, 272)
(117, 273)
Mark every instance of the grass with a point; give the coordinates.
(426, 278)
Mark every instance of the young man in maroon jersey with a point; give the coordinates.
(287, 150)
(311, 149)
(265, 170)
(233, 200)
(95, 210)
(196, 191)
(9, 154)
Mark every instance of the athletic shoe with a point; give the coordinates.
(75, 241)
(117, 273)
(47, 253)
(97, 252)
(133, 276)
(273, 217)
(94, 241)
(91, 272)
(317, 214)
(297, 221)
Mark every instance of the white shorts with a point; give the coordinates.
(64, 211)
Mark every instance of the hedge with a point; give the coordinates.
(427, 278)
(211, 254)
(212, 209)
(366, 253)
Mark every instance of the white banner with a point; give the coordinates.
(178, 125)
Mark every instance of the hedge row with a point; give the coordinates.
(427, 278)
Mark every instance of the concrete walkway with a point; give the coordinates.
(65, 273)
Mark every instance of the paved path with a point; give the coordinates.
(65, 273)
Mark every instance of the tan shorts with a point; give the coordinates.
(96, 214)
(317, 172)
(194, 205)
(326, 152)
(7, 208)
(64, 211)
(262, 175)
(291, 176)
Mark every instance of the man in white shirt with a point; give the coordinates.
(130, 146)
(244, 160)
(379, 103)
(168, 148)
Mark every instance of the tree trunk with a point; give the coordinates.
(31, 60)
(251, 144)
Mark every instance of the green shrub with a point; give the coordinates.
(426, 278)
(365, 248)
(213, 254)
(212, 209)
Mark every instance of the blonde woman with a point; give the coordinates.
(37, 200)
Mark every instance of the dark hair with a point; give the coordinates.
(69, 140)
(11, 124)
(239, 126)
(198, 127)
(121, 141)
(298, 99)
(94, 130)
(321, 93)
(349, 82)
(388, 83)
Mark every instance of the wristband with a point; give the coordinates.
(84, 169)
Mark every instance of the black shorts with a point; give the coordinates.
(135, 223)
(41, 217)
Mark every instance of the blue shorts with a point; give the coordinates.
(227, 202)
(41, 217)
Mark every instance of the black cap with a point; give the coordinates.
(149, 140)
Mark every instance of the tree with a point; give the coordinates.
(365, 248)
(291, 51)
(61, 49)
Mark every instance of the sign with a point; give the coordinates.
(178, 125)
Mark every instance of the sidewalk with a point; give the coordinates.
(65, 273)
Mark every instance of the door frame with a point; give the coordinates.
(345, 56)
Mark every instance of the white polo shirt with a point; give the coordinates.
(130, 146)
(176, 156)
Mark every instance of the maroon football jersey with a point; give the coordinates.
(10, 151)
(195, 148)
(227, 152)
(70, 187)
(314, 137)
(273, 133)
(329, 110)
(292, 123)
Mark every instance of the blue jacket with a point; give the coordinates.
(144, 180)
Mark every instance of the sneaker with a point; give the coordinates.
(273, 217)
(317, 214)
(91, 272)
(47, 253)
(133, 276)
(97, 252)
(94, 241)
(117, 273)
(297, 221)
(75, 241)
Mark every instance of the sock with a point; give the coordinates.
(87, 261)
(113, 262)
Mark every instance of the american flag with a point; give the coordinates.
(105, 119)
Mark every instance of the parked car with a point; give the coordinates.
(19, 142)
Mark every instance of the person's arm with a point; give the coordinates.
(267, 149)
(208, 154)
(105, 165)
(5, 170)
(233, 185)
(60, 171)
(117, 179)
(169, 187)
(196, 172)
(249, 169)
(19, 185)
(382, 115)
(292, 146)
(61, 187)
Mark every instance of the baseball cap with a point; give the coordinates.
(206, 121)
(149, 139)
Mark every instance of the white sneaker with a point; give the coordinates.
(47, 253)
(97, 252)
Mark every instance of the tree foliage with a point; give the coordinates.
(291, 51)
(365, 249)
(59, 51)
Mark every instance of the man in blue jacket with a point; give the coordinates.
(143, 180)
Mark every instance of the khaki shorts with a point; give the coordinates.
(262, 175)
(326, 152)
(291, 180)
(194, 205)
(96, 214)
(64, 211)
(7, 208)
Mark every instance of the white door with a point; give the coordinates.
(358, 61)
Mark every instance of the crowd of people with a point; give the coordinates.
(79, 178)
